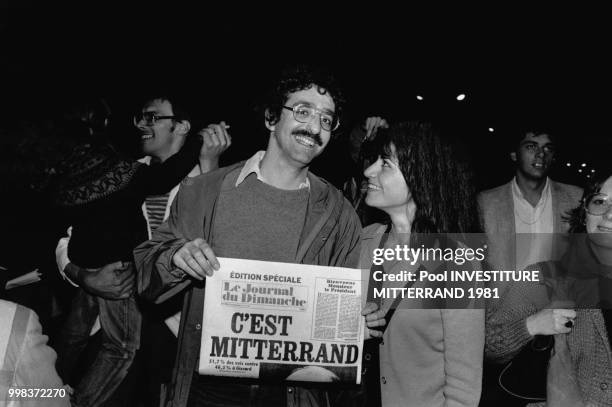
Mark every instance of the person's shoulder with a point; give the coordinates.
(202, 180)
(490, 197)
(324, 190)
(16, 318)
(572, 190)
(372, 230)
(495, 191)
(327, 195)
(8, 308)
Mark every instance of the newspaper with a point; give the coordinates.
(281, 321)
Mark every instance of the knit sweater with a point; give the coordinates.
(589, 346)
(270, 221)
(103, 202)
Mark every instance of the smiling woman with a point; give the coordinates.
(428, 357)
(581, 364)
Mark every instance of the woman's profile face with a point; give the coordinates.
(599, 215)
(387, 188)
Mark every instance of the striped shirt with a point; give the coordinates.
(156, 209)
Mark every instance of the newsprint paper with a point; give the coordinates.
(282, 321)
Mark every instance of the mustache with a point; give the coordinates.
(302, 132)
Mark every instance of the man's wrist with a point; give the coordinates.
(209, 164)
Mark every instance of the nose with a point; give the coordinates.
(539, 151)
(608, 214)
(314, 124)
(372, 170)
(139, 122)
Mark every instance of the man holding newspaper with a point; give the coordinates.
(268, 208)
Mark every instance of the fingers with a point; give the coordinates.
(563, 320)
(551, 321)
(178, 260)
(118, 265)
(375, 318)
(566, 313)
(372, 333)
(369, 308)
(127, 287)
(121, 278)
(372, 125)
(216, 137)
(376, 323)
(197, 259)
(369, 126)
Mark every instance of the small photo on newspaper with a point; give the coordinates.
(282, 321)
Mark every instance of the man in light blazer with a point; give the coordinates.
(524, 223)
(521, 217)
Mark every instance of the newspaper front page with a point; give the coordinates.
(282, 321)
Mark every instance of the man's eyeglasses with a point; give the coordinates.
(305, 113)
(597, 204)
(149, 118)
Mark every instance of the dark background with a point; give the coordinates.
(516, 66)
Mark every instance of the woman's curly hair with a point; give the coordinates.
(438, 177)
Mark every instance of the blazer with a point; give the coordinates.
(496, 208)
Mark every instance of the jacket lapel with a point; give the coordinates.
(559, 199)
(600, 326)
(320, 206)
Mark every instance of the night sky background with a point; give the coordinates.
(524, 65)
(515, 66)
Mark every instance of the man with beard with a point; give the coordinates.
(268, 208)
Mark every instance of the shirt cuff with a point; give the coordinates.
(61, 258)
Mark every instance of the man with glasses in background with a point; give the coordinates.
(524, 220)
(163, 127)
(268, 208)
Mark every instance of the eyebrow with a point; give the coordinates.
(303, 102)
(525, 142)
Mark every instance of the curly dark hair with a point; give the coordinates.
(296, 78)
(577, 216)
(438, 177)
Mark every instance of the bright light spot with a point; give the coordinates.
(569, 164)
(583, 165)
(461, 96)
(419, 97)
(580, 170)
(592, 170)
(491, 129)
